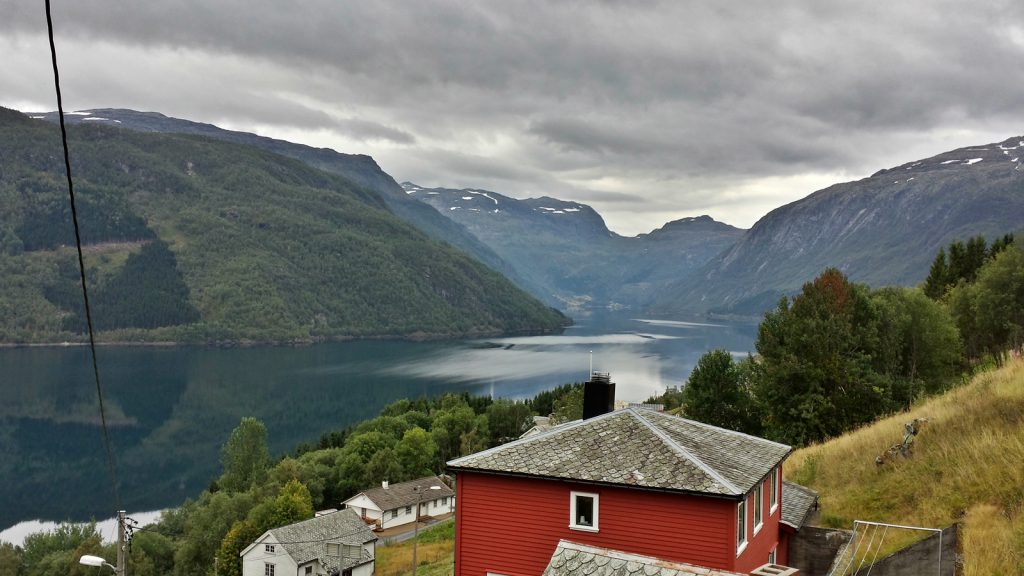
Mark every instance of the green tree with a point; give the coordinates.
(920, 347)
(568, 406)
(937, 283)
(448, 427)
(10, 559)
(245, 457)
(241, 534)
(718, 393)
(207, 522)
(543, 404)
(999, 301)
(382, 466)
(351, 475)
(416, 453)
(151, 554)
(815, 377)
(507, 420)
(44, 551)
(367, 444)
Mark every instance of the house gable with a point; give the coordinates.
(309, 543)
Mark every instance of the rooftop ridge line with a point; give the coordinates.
(727, 430)
(536, 437)
(684, 452)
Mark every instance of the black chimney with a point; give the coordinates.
(598, 395)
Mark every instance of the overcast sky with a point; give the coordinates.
(649, 111)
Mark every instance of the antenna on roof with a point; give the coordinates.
(591, 363)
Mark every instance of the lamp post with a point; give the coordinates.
(119, 569)
(95, 561)
(416, 522)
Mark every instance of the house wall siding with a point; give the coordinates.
(253, 561)
(759, 545)
(511, 525)
(363, 569)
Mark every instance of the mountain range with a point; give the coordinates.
(196, 239)
(359, 169)
(881, 230)
(566, 254)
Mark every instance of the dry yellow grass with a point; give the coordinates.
(434, 558)
(967, 464)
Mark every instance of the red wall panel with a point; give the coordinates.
(512, 525)
(759, 545)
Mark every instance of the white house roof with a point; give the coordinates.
(307, 540)
(404, 493)
(572, 559)
(637, 447)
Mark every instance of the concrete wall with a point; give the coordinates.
(920, 558)
(812, 549)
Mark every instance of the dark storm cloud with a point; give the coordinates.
(672, 103)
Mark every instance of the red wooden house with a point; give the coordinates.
(633, 480)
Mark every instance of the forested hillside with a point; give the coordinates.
(359, 169)
(192, 239)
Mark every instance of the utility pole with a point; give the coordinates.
(416, 526)
(120, 567)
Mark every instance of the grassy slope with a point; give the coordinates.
(968, 465)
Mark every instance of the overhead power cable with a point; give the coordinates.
(81, 264)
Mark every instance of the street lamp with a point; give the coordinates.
(119, 569)
(95, 561)
(416, 522)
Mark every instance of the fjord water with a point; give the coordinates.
(170, 409)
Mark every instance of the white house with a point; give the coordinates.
(331, 544)
(392, 505)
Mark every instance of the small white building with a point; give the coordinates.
(331, 544)
(392, 505)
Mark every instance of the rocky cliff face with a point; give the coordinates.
(881, 230)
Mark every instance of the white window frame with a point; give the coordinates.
(268, 569)
(774, 482)
(572, 511)
(758, 495)
(269, 548)
(772, 556)
(741, 526)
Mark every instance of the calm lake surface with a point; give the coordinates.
(169, 410)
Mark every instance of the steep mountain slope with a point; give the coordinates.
(881, 230)
(564, 251)
(358, 168)
(247, 244)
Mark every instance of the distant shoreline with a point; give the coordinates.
(244, 343)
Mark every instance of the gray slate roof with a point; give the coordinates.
(404, 494)
(797, 503)
(640, 448)
(572, 559)
(307, 540)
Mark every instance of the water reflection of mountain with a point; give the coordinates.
(172, 408)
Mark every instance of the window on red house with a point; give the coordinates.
(583, 511)
(741, 525)
(758, 505)
(774, 486)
